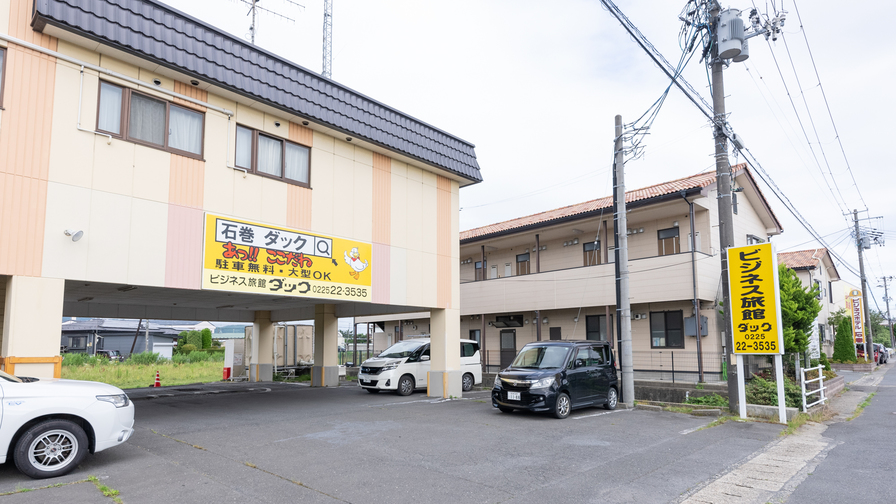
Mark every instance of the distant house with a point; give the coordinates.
(88, 336)
(815, 267)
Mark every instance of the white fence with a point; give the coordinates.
(820, 391)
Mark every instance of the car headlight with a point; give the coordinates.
(390, 367)
(543, 383)
(497, 381)
(119, 400)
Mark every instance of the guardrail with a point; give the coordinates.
(820, 390)
(8, 364)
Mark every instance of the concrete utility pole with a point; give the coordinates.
(623, 307)
(889, 320)
(723, 188)
(869, 348)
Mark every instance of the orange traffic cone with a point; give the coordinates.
(158, 381)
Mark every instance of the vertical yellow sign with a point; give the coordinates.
(755, 302)
(855, 307)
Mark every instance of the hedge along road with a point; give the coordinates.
(278, 442)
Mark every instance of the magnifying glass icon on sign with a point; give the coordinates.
(323, 247)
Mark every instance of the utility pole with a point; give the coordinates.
(623, 307)
(889, 320)
(723, 196)
(869, 348)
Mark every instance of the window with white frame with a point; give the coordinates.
(274, 157)
(143, 119)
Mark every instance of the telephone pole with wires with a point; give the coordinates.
(887, 301)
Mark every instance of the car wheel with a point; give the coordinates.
(50, 449)
(373, 390)
(406, 385)
(505, 409)
(562, 407)
(468, 382)
(612, 399)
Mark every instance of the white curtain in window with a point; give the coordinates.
(269, 156)
(147, 120)
(243, 147)
(110, 109)
(185, 130)
(297, 162)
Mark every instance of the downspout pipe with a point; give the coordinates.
(694, 284)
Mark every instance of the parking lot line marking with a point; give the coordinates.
(599, 414)
(695, 429)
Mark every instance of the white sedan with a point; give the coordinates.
(52, 424)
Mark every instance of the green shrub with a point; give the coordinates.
(709, 400)
(194, 338)
(844, 346)
(187, 349)
(206, 338)
(823, 360)
(74, 359)
(180, 359)
(144, 358)
(198, 356)
(761, 391)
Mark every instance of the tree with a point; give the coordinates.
(206, 338)
(799, 309)
(844, 346)
(194, 338)
(880, 329)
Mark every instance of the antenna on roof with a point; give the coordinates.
(253, 7)
(327, 70)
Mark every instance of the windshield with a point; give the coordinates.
(541, 357)
(402, 349)
(9, 377)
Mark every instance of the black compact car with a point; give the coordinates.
(558, 376)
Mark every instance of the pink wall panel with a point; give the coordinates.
(183, 257)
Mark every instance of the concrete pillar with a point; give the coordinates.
(262, 366)
(445, 376)
(325, 372)
(32, 313)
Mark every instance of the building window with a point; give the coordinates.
(821, 336)
(734, 202)
(522, 264)
(78, 343)
(596, 327)
(820, 294)
(2, 73)
(668, 241)
(592, 253)
(830, 293)
(479, 270)
(145, 120)
(272, 157)
(666, 329)
(474, 335)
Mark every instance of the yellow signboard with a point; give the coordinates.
(755, 302)
(855, 307)
(243, 256)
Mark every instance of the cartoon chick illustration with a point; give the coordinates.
(354, 260)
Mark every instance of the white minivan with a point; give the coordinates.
(404, 366)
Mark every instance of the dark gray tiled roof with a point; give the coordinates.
(166, 36)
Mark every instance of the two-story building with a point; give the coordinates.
(551, 275)
(153, 166)
(815, 268)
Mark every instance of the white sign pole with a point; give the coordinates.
(741, 389)
(782, 412)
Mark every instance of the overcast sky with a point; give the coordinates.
(535, 85)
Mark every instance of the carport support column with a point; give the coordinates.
(445, 375)
(262, 366)
(30, 325)
(325, 372)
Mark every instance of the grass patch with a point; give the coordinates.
(800, 419)
(861, 407)
(106, 491)
(678, 409)
(713, 400)
(124, 375)
(300, 378)
(718, 421)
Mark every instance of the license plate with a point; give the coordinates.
(513, 396)
(365, 382)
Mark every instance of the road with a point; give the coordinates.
(291, 443)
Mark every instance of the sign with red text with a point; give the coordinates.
(855, 306)
(244, 256)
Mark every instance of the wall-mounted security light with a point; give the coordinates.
(575, 319)
(276, 124)
(194, 82)
(75, 235)
(544, 321)
(348, 139)
(304, 123)
(675, 224)
(157, 82)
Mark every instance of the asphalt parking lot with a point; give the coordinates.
(281, 442)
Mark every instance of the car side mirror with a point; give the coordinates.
(424, 358)
(580, 363)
